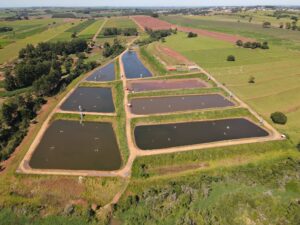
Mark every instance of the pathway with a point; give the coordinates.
(98, 32)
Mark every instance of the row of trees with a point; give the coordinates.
(156, 35)
(253, 45)
(5, 29)
(46, 59)
(113, 31)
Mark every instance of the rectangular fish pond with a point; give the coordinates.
(133, 66)
(90, 99)
(106, 73)
(69, 145)
(168, 104)
(151, 85)
(149, 137)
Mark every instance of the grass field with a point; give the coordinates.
(78, 27)
(276, 72)
(25, 28)
(90, 31)
(10, 51)
(283, 37)
(118, 22)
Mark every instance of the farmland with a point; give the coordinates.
(10, 51)
(124, 138)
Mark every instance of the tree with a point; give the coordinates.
(288, 25)
(279, 118)
(231, 58)
(74, 35)
(9, 82)
(265, 45)
(266, 24)
(239, 43)
(281, 25)
(192, 35)
(251, 80)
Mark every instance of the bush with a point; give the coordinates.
(279, 118)
(266, 24)
(239, 43)
(251, 80)
(192, 35)
(231, 58)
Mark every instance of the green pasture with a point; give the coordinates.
(90, 31)
(276, 72)
(120, 22)
(77, 26)
(10, 51)
(283, 37)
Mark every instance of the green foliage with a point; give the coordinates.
(15, 115)
(266, 191)
(192, 35)
(113, 31)
(81, 26)
(5, 29)
(231, 58)
(113, 50)
(279, 118)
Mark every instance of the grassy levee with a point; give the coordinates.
(175, 163)
(150, 61)
(118, 95)
(263, 188)
(276, 73)
(177, 92)
(195, 116)
(11, 51)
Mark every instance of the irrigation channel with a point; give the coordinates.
(65, 147)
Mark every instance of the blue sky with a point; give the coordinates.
(27, 3)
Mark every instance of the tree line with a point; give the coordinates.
(113, 31)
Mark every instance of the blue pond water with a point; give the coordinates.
(106, 73)
(133, 66)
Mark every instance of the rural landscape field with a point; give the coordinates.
(149, 115)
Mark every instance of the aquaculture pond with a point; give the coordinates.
(90, 99)
(133, 66)
(106, 73)
(69, 145)
(144, 106)
(151, 85)
(149, 137)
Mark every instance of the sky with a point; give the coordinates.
(122, 3)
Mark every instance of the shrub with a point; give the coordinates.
(192, 35)
(231, 58)
(239, 43)
(266, 24)
(279, 118)
(251, 80)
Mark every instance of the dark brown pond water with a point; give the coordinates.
(91, 99)
(139, 86)
(151, 137)
(70, 145)
(133, 66)
(144, 106)
(106, 73)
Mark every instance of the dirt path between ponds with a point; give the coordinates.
(99, 30)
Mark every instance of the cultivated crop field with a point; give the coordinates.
(10, 51)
